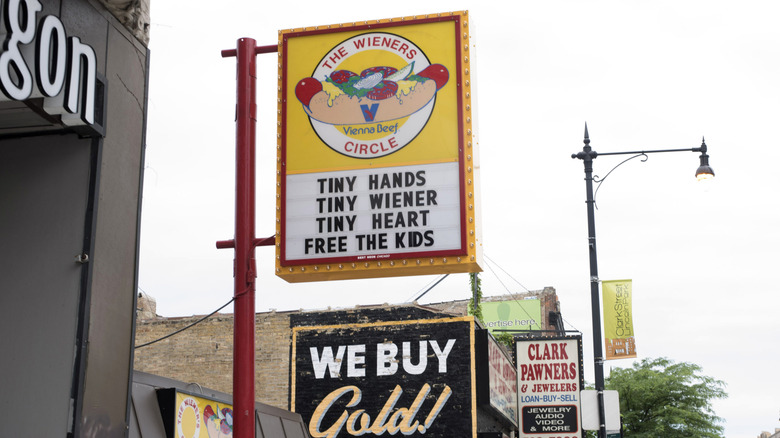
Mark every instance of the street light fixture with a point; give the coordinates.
(587, 155)
(704, 172)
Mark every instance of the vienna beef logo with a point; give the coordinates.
(350, 362)
(42, 61)
(364, 110)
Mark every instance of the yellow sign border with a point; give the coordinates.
(468, 258)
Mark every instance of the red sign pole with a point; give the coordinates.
(244, 267)
(245, 270)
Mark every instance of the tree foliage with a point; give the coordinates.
(507, 339)
(660, 398)
(475, 308)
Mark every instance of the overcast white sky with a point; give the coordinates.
(644, 75)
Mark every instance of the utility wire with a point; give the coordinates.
(514, 296)
(434, 285)
(521, 285)
(191, 325)
(570, 324)
(505, 272)
(427, 287)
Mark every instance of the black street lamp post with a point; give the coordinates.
(587, 155)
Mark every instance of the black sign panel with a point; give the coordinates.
(410, 378)
(550, 419)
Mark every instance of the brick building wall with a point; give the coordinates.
(203, 354)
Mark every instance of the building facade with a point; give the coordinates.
(203, 353)
(73, 87)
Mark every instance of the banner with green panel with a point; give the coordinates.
(512, 315)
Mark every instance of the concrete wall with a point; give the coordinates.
(113, 282)
(69, 325)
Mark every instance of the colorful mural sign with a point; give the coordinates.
(377, 165)
(549, 381)
(190, 416)
(386, 378)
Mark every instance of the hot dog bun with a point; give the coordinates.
(341, 109)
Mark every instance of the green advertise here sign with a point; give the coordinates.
(521, 315)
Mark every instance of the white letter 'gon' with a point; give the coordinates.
(51, 56)
(81, 78)
(15, 77)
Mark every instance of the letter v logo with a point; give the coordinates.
(369, 113)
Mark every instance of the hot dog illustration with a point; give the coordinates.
(377, 94)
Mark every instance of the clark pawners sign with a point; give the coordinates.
(549, 381)
(376, 163)
(410, 378)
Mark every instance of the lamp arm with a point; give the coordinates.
(599, 181)
(699, 149)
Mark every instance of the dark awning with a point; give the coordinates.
(146, 419)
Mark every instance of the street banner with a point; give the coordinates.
(618, 319)
(377, 165)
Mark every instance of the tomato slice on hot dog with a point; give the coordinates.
(438, 73)
(306, 89)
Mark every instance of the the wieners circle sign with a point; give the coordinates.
(393, 102)
(377, 154)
